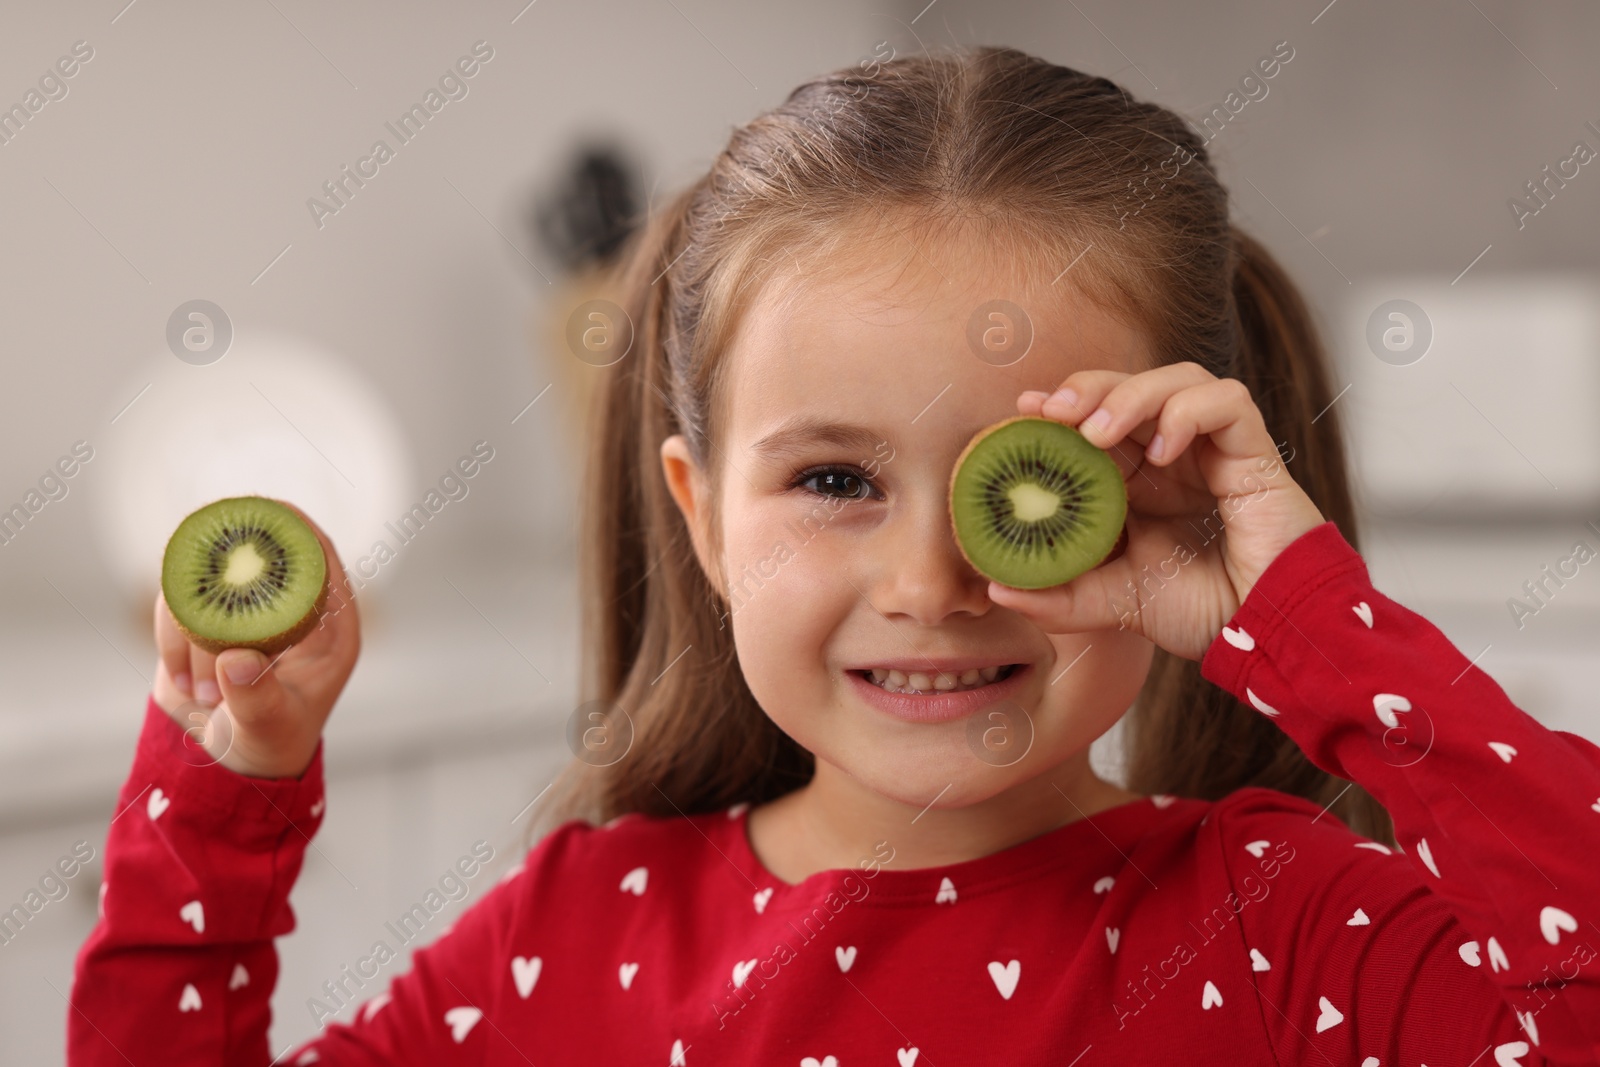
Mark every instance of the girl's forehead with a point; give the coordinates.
(886, 341)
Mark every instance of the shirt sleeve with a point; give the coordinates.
(180, 967)
(1479, 934)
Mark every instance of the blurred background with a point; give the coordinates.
(190, 311)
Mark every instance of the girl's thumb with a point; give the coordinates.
(251, 690)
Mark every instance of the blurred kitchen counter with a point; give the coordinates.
(454, 660)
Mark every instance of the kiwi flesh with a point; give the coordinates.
(1034, 504)
(245, 572)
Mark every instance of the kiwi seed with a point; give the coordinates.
(1034, 504)
(245, 572)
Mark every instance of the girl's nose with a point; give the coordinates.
(917, 572)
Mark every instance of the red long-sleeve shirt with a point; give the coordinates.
(1256, 929)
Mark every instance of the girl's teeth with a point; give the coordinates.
(921, 682)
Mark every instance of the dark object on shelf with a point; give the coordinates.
(582, 221)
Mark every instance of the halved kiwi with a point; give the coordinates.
(1034, 504)
(245, 572)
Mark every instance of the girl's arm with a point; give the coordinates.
(180, 967)
(1228, 561)
(1481, 939)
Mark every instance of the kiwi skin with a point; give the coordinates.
(1115, 550)
(269, 646)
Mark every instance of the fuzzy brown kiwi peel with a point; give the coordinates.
(245, 572)
(1033, 504)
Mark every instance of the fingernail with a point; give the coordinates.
(206, 691)
(245, 667)
(1100, 419)
(184, 683)
(1153, 449)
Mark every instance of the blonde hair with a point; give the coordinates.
(1050, 156)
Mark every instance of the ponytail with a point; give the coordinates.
(658, 660)
(1186, 735)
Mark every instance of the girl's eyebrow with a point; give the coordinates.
(800, 431)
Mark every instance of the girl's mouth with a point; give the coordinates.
(930, 683)
(920, 700)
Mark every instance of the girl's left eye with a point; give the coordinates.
(840, 483)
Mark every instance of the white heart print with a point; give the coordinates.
(947, 892)
(625, 974)
(635, 880)
(826, 1061)
(1258, 962)
(1363, 612)
(678, 1059)
(741, 971)
(1510, 1054)
(1503, 750)
(1469, 954)
(1260, 705)
(189, 999)
(1386, 704)
(761, 898)
(240, 977)
(1238, 638)
(1104, 884)
(907, 1056)
(1497, 957)
(1162, 800)
(1376, 846)
(1257, 848)
(1210, 996)
(195, 915)
(316, 809)
(1005, 977)
(1358, 919)
(525, 973)
(461, 1021)
(1425, 854)
(846, 957)
(1552, 921)
(158, 803)
(1329, 1016)
(1113, 935)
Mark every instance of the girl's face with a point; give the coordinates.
(850, 393)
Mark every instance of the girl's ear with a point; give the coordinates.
(687, 484)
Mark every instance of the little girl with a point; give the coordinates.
(854, 820)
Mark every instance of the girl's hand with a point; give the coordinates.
(1210, 505)
(269, 720)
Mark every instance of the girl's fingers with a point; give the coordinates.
(1075, 398)
(1110, 414)
(203, 667)
(1222, 409)
(1083, 604)
(173, 647)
